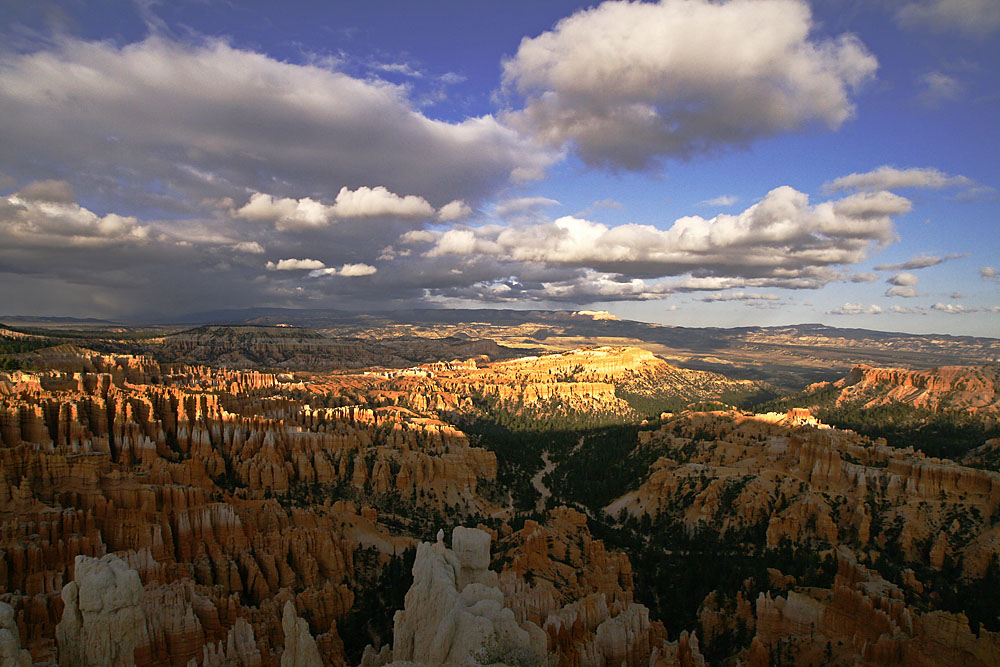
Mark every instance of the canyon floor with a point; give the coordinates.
(477, 487)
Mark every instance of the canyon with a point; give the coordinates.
(260, 496)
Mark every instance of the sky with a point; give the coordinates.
(727, 163)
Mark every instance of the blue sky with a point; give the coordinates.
(685, 162)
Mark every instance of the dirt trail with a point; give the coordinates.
(536, 481)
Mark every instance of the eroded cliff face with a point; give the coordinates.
(558, 577)
(458, 612)
(225, 493)
(836, 494)
(968, 389)
(257, 510)
(742, 473)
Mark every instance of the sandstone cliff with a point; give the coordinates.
(963, 389)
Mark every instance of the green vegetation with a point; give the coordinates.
(945, 434)
(518, 435)
(12, 346)
(502, 652)
(942, 434)
(380, 587)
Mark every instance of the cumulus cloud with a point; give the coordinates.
(627, 83)
(974, 18)
(987, 273)
(918, 262)
(903, 279)
(295, 265)
(454, 210)
(316, 268)
(296, 214)
(780, 241)
(865, 277)
(904, 292)
(903, 285)
(855, 309)
(953, 308)
(347, 270)
(374, 202)
(249, 247)
(353, 270)
(40, 216)
(286, 213)
(210, 120)
(891, 178)
(583, 287)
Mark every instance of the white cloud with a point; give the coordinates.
(918, 262)
(938, 88)
(417, 236)
(295, 265)
(347, 270)
(353, 270)
(855, 309)
(211, 120)
(454, 210)
(987, 272)
(286, 213)
(974, 18)
(866, 277)
(297, 214)
(721, 200)
(249, 247)
(41, 216)
(627, 83)
(903, 279)
(368, 202)
(891, 178)
(782, 239)
(953, 308)
(904, 292)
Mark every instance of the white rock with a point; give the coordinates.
(102, 622)
(300, 647)
(455, 606)
(11, 653)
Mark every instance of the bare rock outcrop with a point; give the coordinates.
(300, 647)
(11, 653)
(973, 389)
(102, 622)
(454, 607)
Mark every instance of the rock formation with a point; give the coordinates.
(454, 608)
(964, 389)
(102, 622)
(300, 647)
(11, 653)
(246, 515)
